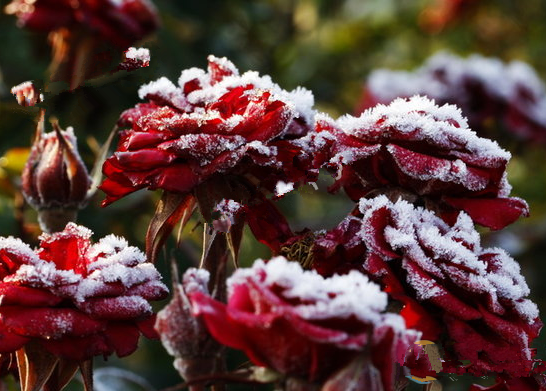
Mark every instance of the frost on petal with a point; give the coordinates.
(213, 121)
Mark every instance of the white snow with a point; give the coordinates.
(283, 188)
(420, 117)
(140, 54)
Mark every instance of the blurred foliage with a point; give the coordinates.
(326, 46)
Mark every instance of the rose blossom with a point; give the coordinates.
(477, 294)
(214, 122)
(119, 22)
(493, 95)
(76, 299)
(304, 326)
(427, 154)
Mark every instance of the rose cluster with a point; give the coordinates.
(491, 93)
(421, 179)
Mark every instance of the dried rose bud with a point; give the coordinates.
(186, 337)
(27, 94)
(55, 181)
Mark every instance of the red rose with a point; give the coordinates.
(76, 299)
(425, 152)
(214, 122)
(119, 22)
(477, 293)
(305, 326)
(496, 97)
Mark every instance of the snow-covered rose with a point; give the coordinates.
(303, 325)
(474, 298)
(214, 122)
(76, 299)
(425, 153)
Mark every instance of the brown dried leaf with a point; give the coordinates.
(171, 209)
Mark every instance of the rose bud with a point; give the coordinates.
(306, 327)
(135, 59)
(55, 181)
(186, 337)
(27, 94)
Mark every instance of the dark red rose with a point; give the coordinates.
(477, 294)
(214, 122)
(427, 154)
(304, 326)
(76, 299)
(493, 95)
(120, 22)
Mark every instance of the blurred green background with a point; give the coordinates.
(326, 46)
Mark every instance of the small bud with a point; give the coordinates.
(55, 181)
(27, 94)
(185, 336)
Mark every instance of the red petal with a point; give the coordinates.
(11, 294)
(494, 213)
(48, 322)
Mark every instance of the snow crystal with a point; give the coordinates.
(193, 74)
(261, 148)
(283, 188)
(224, 63)
(128, 256)
(335, 297)
(42, 274)
(527, 308)
(140, 54)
